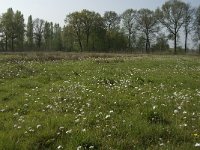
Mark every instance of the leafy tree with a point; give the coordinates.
(161, 43)
(38, 26)
(84, 24)
(129, 24)
(13, 28)
(18, 30)
(98, 33)
(88, 18)
(188, 20)
(74, 21)
(7, 26)
(2, 35)
(57, 37)
(47, 34)
(68, 38)
(29, 32)
(51, 35)
(140, 42)
(147, 24)
(171, 16)
(111, 22)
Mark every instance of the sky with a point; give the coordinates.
(56, 10)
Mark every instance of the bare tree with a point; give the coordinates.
(129, 24)
(188, 19)
(147, 24)
(171, 16)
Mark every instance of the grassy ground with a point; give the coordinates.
(99, 101)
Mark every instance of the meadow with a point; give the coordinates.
(99, 101)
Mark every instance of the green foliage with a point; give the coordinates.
(161, 44)
(29, 32)
(38, 26)
(12, 25)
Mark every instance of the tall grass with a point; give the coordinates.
(99, 101)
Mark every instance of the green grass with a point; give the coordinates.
(99, 101)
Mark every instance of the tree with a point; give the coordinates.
(129, 23)
(75, 22)
(13, 28)
(171, 16)
(188, 19)
(98, 33)
(18, 30)
(91, 21)
(7, 26)
(29, 32)
(51, 35)
(57, 37)
(2, 35)
(38, 26)
(197, 27)
(84, 25)
(140, 42)
(147, 24)
(47, 34)
(68, 38)
(88, 18)
(111, 22)
(161, 43)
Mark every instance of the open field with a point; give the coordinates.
(99, 101)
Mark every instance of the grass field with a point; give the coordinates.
(99, 101)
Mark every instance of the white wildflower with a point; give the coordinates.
(38, 126)
(69, 131)
(197, 145)
(91, 147)
(175, 111)
(107, 116)
(60, 147)
(83, 130)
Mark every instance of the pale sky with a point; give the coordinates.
(56, 10)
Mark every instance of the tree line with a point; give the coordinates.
(141, 30)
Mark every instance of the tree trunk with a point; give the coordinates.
(12, 44)
(175, 43)
(80, 44)
(129, 41)
(146, 46)
(109, 40)
(199, 48)
(87, 41)
(186, 38)
(6, 43)
(149, 45)
(39, 42)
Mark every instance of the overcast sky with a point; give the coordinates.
(56, 10)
